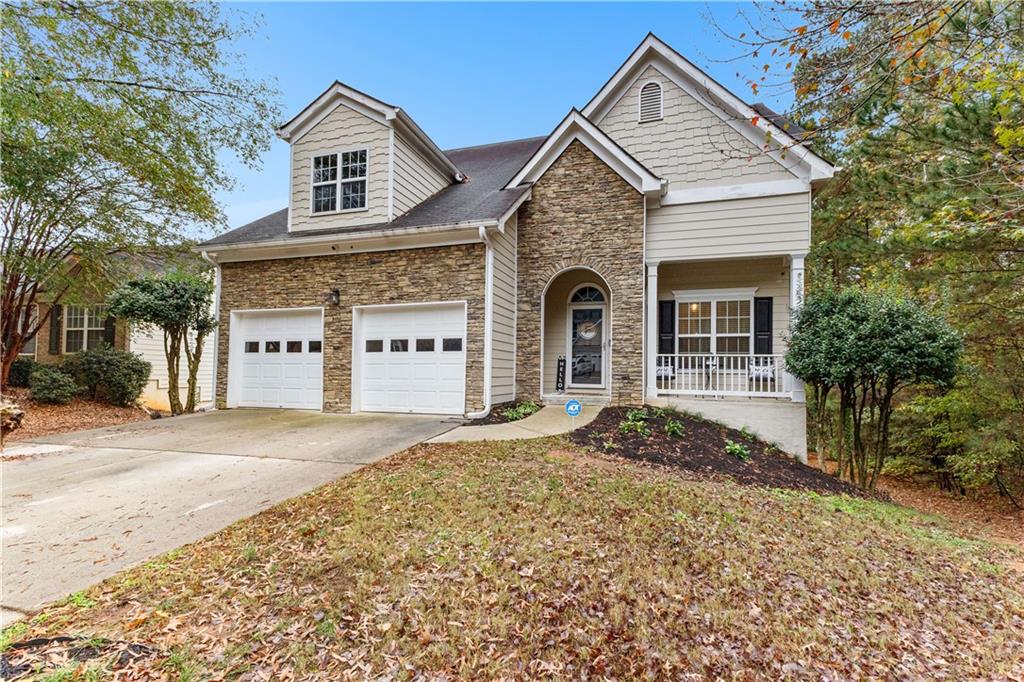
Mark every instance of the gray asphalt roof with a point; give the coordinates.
(487, 168)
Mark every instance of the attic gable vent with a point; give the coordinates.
(650, 102)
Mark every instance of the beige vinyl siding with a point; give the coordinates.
(503, 349)
(341, 130)
(769, 275)
(690, 146)
(755, 226)
(556, 306)
(415, 178)
(150, 345)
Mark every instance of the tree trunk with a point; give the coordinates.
(193, 357)
(172, 351)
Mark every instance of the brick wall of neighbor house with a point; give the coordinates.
(583, 214)
(453, 273)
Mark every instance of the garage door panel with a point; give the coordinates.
(290, 377)
(427, 380)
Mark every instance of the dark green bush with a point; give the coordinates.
(116, 376)
(21, 370)
(52, 385)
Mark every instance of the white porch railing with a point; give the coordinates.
(752, 376)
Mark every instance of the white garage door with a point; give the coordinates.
(413, 359)
(280, 359)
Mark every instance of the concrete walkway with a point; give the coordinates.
(549, 421)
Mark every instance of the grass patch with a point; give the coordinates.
(518, 560)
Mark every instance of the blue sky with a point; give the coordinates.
(467, 73)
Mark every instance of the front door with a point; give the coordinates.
(586, 346)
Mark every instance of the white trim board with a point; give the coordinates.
(750, 190)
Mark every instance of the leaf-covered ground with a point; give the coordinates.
(45, 420)
(522, 560)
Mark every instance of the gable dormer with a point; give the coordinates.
(690, 130)
(357, 161)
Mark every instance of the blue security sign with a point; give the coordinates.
(573, 408)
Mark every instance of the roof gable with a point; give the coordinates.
(759, 129)
(339, 94)
(576, 126)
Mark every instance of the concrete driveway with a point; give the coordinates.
(79, 507)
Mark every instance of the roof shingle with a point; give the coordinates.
(480, 197)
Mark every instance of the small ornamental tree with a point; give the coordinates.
(869, 345)
(179, 305)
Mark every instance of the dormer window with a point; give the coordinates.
(650, 102)
(339, 176)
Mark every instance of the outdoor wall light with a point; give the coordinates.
(334, 297)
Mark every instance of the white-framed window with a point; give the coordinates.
(84, 327)
(719, 322)
(650, 102)
(338, 181)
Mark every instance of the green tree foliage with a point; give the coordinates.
(115, 117)
(921, 103)
(869, 346)
(179, 305)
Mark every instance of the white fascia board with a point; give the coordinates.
(334, 244)
(698, 195)
(527, 195)
(575, 126)
(335, 96)
(694, 81)
(427, 145)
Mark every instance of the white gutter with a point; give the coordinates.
(216, 316)
(343, 237)
(488, 323)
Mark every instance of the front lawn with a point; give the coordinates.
(524, 560)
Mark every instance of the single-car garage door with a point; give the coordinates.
(413, 359)
(279, 356)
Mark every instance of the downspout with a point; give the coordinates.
(216, 316)
(488, 322)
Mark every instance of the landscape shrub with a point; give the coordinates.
(634, 426)
(637, 415)
(737, 450)
(52, 385)
(116, 376)
(21, 370)
(673, 427)
(520, 411)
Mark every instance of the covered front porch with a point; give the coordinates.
(717, 329)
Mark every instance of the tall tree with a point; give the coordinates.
(922, 103)
(114, 119)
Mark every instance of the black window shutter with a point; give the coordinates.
(763, 326)
(56, 320)
(666, 327)
(108, 330)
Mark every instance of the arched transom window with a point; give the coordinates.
(587, 294)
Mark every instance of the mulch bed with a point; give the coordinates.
(701, 451)
(496, 416)
(79, 414)
(47, 654)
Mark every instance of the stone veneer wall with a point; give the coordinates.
(454, 273)
(583, 214)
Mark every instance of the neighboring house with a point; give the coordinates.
(652, 246)
(72, 328)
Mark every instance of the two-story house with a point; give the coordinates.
(649, 249)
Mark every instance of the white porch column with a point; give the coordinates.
(796, 301)
(651, 345)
